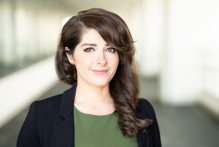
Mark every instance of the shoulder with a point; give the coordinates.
(145, 109)
(50, 101)
(152, 136)
(48, 105)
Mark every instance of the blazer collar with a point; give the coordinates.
(67, 101)
(64, 130)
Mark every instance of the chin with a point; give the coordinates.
(100, 83)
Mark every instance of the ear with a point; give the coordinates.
(70, 56)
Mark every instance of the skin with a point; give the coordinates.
(96, 64)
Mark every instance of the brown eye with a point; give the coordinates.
(88, 49)
(112, 50)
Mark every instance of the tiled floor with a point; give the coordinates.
(179, 126)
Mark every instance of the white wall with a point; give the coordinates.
(210, 96)
(181, 76)
(21, 88)
(180, 45)
(152, 34)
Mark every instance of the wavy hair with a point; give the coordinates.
(124, 87)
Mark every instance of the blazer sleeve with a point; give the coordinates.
(154, 128)
(151, 137)
(29, 136)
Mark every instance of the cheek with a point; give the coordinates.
(80, 60)
(84, 66)
(115, 61)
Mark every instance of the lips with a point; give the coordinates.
(100, 72)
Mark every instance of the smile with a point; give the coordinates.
(100, 72)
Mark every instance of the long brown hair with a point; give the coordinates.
(124, 87)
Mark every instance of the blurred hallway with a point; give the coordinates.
(187, 126)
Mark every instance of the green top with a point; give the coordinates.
(99, 131)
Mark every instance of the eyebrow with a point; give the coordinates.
(91, 44)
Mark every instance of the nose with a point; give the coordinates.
(101, 59)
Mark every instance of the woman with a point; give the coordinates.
(101, 109)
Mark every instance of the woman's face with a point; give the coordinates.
(96, 62)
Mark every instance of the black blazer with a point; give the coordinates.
(50, 123)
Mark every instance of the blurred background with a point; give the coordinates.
(177, 44)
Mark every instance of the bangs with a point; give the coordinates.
(109, 29)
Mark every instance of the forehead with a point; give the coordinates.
(91, 36)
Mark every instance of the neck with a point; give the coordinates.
(90, 94)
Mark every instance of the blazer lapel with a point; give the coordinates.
(65, 126)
